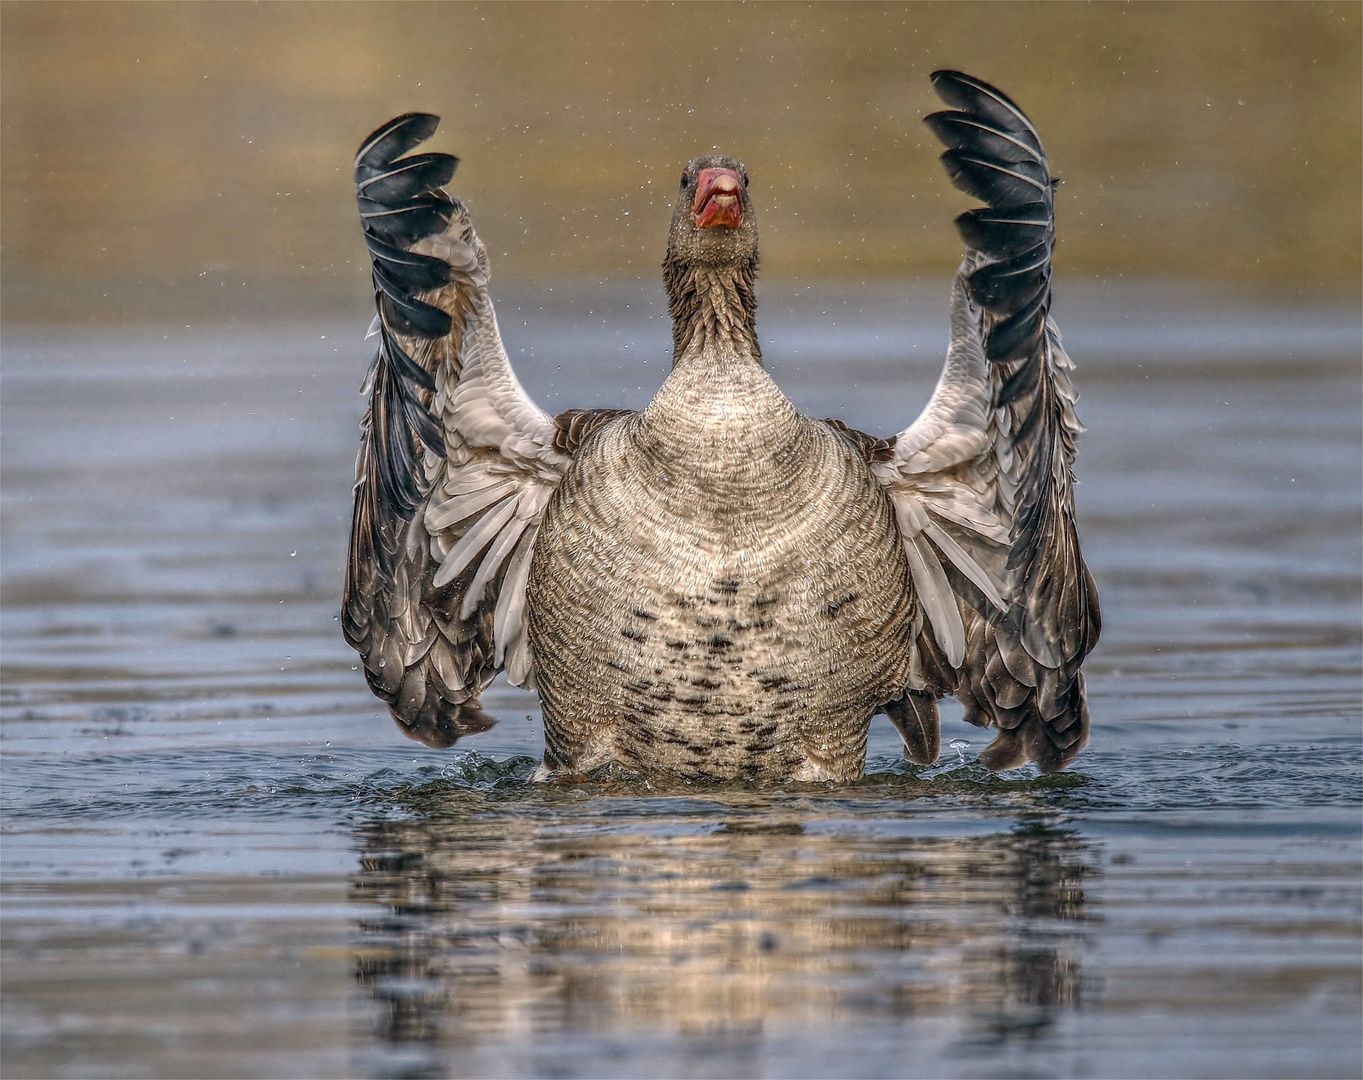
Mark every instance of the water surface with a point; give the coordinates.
(212, 830)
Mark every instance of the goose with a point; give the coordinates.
(717, 587)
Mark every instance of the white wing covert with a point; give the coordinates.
(982, 481)
(456, 462)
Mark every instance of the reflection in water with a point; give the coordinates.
(652, 927)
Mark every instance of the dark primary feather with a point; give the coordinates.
(995, 154)
(405, 366)
(1021, 669)
(405, 179)
(402, 313)
(390, 190)
(408, 221)
(1006, 232)
(1006, 287)
(999, 183)
(422, 272)
(988, 103)
(384, 145)
(961, 131)
(1018, 337)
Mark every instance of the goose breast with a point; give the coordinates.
(698, 579)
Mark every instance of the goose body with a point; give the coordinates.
(718, 586)
(697, 581)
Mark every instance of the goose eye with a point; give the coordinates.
(686, 179)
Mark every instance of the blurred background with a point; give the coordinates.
(196, 158)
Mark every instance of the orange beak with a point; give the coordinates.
(719, 199)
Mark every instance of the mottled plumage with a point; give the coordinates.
(697, 579)
(718, 586)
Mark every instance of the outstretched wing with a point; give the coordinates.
(456, 462)
(982, 482)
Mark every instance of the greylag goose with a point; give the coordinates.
(718, 587)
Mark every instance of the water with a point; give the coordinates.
(211, 830)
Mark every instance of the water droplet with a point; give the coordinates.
(294, 554)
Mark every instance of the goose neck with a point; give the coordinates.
(714, 314)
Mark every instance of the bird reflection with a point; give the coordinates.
(494, 929)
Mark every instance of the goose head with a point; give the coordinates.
(713, 223)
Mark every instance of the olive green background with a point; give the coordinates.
(197, 157)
